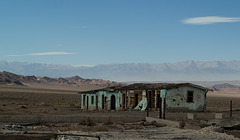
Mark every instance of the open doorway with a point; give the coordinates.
(87, 102)
(158, 100)
(135, 100)
(113, 102)
(103, 102)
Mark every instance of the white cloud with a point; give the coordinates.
(14, 55)
(50, 53)
(45, 53)
(210, 20)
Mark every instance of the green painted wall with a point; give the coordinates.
(107, 105)
(176, 99)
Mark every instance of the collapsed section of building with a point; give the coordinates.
(139, 96)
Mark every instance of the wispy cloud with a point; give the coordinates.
(210, 20)
(50, 53)
(14, 55)
(45, 53)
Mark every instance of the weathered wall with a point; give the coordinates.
(84, 101)
(133, 99)
(92, 103)
(108, 99)
(176, 99)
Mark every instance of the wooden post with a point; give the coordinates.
(155, 100)
(164, 108)
(147, 103)
(230, 108)
(160, 107)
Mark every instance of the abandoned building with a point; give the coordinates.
(139, 96)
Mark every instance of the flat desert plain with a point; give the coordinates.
(24, 100)
(20, 100)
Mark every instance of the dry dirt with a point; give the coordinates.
(18, 100)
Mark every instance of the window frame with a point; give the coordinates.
(190, 98)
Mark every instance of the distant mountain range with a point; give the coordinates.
(179, 71)
(7, 78)
(76, 82)
(226, 88)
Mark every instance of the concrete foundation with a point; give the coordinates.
(191, 116)
(219, 116)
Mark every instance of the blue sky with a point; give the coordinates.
(91, 32)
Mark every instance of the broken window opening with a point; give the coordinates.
(190, 96)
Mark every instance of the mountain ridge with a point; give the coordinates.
(226, 88)
(184, 70)
(7, 78)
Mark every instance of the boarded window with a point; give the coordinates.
(92, 100)
(190, 96)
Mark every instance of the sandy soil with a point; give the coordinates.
(127, 131)
(217, 102)
(15, 100)
(223, 94)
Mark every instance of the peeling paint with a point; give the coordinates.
(180, 98)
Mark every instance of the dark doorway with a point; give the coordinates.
(96, 102)
(123, 100)
(158, 100)
(136, 100)
(150, 98)
(103, 102)
(87, 102)
(84, 100)
(153, 99)
(113, 102)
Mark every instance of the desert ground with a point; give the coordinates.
(32, 102)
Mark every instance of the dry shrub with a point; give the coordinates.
(160, 125)
(46, 124)
(88, 122)
(72, 105)
(67, 127)
(83, 122)
(101, 128)
(136, 127)
(154, 123)
(109, 122)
